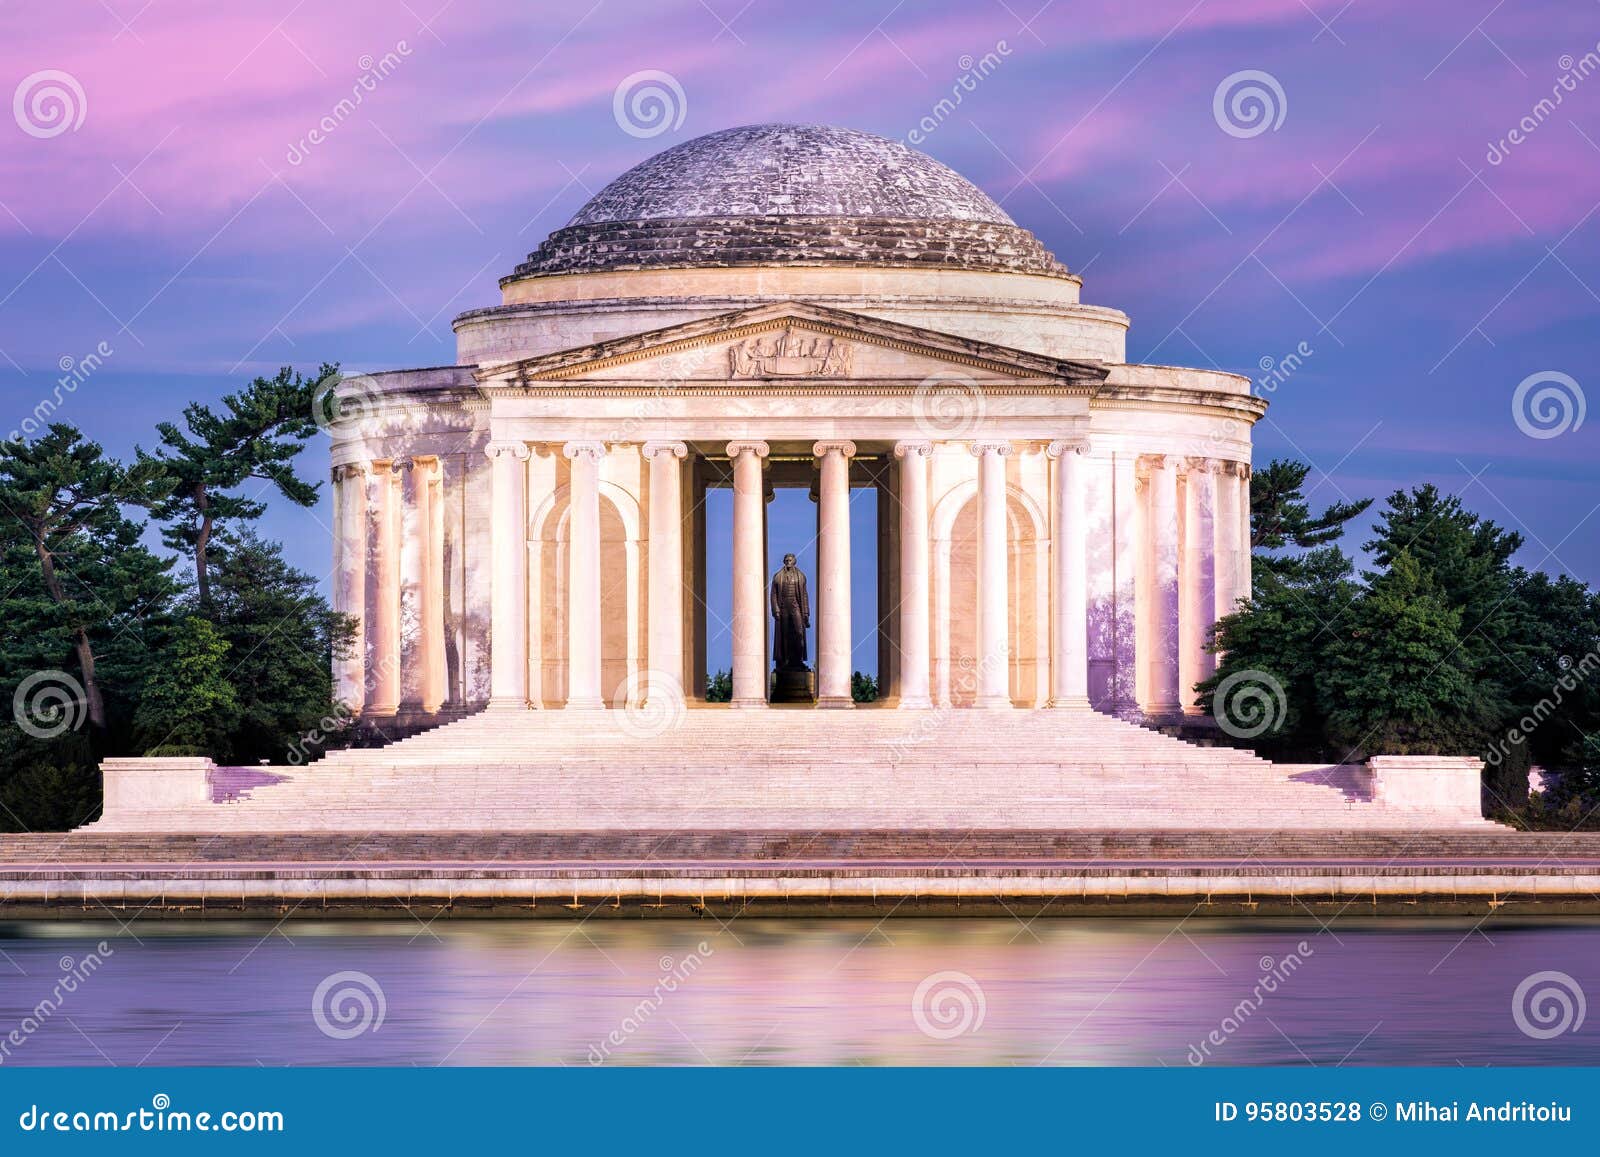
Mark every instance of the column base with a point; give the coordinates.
(914, 703)
(1070, 703)
(993, 702)
(746, 704)
(594, 704)
(506, 703)
(376, 710)
(835, 702)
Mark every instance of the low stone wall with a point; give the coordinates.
(1440, 787)
(149, 786)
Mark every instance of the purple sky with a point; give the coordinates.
(1369, 224)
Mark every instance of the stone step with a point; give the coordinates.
(955, 845)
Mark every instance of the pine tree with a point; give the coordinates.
(187, 705)
(88, 580)
(256, 437)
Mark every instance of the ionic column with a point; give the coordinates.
(749, 575)
(583, 577)
(1198, 591)
(1069, 652)
(914, 688)
(383, 607)
(1243, 586)
(350, 583)
(833, 574)
(1162, 471)
(508, 581)
(665, 659)
(1225, 540)
(420, 623)
(994, 666)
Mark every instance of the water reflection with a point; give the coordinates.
(984, 992)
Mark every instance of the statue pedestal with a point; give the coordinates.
(794, 686)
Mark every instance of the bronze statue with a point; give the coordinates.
(791, 615)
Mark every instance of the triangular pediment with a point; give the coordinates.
(790, 342)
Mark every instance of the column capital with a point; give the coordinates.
(1067, 446)
(590, 449)
(676, 449)
(1202, 465)
(351, 470)
(836, 446)
(517, 450)
(921, 448)
(759, 449)
(1150, 463)
(982, 446)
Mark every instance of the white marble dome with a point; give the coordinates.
(780, 195)
(782, 170)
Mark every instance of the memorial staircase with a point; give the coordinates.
(717, 769)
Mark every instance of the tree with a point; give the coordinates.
(1399, 682)
(89, 576)
(1280, 516)
(187, 705)
(282, 639)
(257, 436)
(1279, 643)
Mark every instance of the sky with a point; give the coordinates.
(1405, 198)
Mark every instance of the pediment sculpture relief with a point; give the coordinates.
(789, 354)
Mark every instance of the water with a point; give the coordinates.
(980, 991)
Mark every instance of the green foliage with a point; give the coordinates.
(863, 687)
(255, 438)
(1281, 517)
(187, 702)
(719, 687)
(283, 638)
(238, 668)
(1398, 681)
(1443, 647)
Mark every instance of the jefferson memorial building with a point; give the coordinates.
(788, 306)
